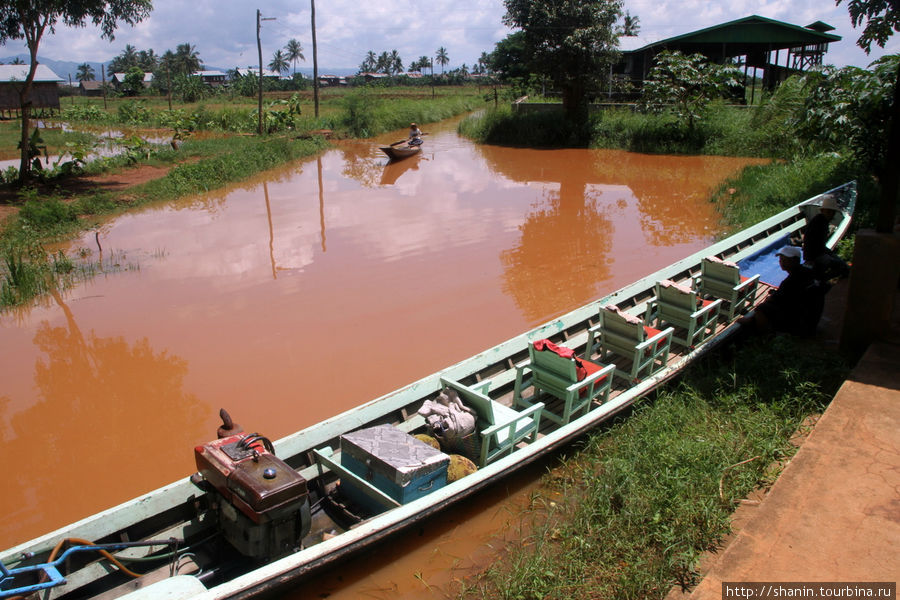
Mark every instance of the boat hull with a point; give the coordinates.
(401, 152)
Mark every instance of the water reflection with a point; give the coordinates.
(394, 169)
(104, 405)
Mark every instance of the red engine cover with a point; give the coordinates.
(248, 476)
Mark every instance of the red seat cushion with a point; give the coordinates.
(585, 368)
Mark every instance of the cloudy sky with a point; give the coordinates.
(224, 31)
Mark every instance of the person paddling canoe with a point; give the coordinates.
(415, 135)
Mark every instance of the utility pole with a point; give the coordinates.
(259, 47)
(103, 79)
(312, 5)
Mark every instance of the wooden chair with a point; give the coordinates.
(500, 427)
(626, 336)
(558, 376)
(722, 279)
(679, 306)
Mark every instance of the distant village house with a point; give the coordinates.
(44, 91)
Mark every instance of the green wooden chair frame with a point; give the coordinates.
(621, 334)
(550, 373)
(681, 307)
(721, 279)
(504, 427)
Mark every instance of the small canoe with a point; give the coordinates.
(401, 151)
(259, 515)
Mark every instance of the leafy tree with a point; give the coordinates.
(293, 51)
(509, 58)
(134, 82)
(29, 20)
(442, 58)
(882, 19)
(190, 87)
(685, 85)
(85, 72)
(279, 62)
(571, 41)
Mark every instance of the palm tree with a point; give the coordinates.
(17, 61)
(369, 64)
(484, 62)
(383, 64)
(186, 60)
(631, 25)
(85, 72)
(147, 60)
(396, 65)
(293, 52)
(279, 62)
(442, 58)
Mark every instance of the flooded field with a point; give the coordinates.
(309, 291)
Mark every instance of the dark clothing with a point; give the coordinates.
(796, 306)
(814, 238)
(825, 263)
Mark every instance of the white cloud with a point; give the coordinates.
(224, 31)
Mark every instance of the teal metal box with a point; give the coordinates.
(394, 462)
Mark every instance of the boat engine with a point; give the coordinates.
(263, 504)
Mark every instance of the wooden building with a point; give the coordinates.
(90, 88)
(44, 90)
(754, 43)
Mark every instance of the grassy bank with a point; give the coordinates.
(727, 131)
(631, 511)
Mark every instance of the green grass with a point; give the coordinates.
(629, 514)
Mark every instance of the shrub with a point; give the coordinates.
(47, 214)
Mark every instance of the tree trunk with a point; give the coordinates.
(25, 105)
(574, 103)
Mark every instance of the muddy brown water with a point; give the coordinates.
(311, 290)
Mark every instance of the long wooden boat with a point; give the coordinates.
(258, 516)
(401, 151)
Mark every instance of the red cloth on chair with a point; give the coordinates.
(583, 368)
(547, 345)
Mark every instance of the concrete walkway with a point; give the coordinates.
(834, 513)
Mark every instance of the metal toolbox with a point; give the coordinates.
(394, 462)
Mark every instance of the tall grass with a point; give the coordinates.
(725, 131)
(367, 114)
(502, 126)
(760, 191)
(631, 512)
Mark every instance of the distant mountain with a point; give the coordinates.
(67, 68)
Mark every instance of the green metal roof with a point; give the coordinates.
(751, 31)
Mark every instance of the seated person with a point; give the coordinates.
(795, 306)
(816, 254)
(415, 135)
